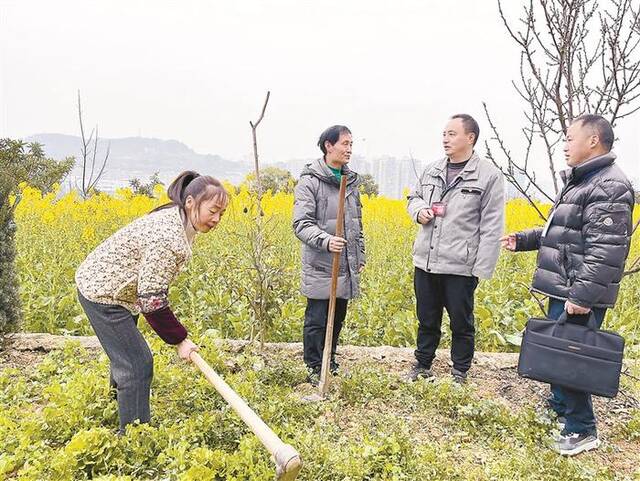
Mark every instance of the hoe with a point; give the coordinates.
(287, 459)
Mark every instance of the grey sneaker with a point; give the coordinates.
(459, 377)
(419, 371)
(575, 443)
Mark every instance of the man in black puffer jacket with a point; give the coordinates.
(582, 252)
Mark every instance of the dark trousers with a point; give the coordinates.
(575, 406)
(434, 293)
(130, 357)
(315, 327)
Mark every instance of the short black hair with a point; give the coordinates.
(332, 134)
(469, 124)
(601, 126)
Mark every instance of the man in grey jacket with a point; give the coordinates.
(581, 255)
(314, 222)
(459, 203)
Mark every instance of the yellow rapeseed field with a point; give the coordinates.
(55, 233)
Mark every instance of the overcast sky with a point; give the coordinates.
(198, 71)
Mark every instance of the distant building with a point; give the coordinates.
(394, 176)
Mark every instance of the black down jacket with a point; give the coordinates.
(585, 243)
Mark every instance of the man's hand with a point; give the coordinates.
(508, 242)
(336, 244)
(425, 216)
(361, 269)
(572, 308)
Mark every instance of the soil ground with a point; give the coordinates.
(493, 376)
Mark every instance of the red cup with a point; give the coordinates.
(438, 209)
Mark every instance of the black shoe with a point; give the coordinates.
(571, 444)
(313, 376)
(419, 371)
(334, 368)
(459, 377)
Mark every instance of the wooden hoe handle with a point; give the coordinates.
(287, 459)
(323, 387)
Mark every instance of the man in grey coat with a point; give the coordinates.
(458, 203)
(581, 255)
(314, 222)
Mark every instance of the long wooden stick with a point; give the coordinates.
(335, 270)
(287, 459)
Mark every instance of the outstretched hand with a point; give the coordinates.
(508, 242)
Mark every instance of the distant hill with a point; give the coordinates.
(140, 157)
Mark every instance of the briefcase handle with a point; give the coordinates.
(591, 323)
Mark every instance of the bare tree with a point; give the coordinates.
(576, 57)
(254, 127)
(261, 258)
(88, 152)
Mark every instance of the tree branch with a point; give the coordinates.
(254, 126)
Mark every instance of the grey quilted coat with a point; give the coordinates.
(314, 222)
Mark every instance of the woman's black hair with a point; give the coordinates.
(200, 187)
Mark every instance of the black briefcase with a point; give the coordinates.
(575, 356)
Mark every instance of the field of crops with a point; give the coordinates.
(58, 419)
(219, 285)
